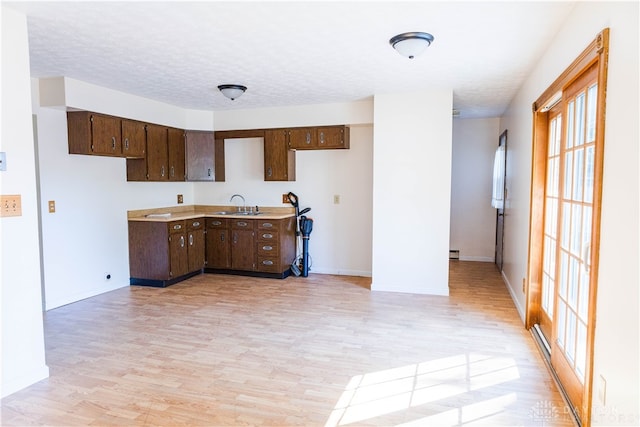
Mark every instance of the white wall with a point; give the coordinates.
(23, 358)
(616, 341)
(411, 192)
(473, 220)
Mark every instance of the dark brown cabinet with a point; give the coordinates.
(103, 135)
(243, 246)
(318, 138)
(275, 244)
(176, 154)
(218, 248)
(195, 244)
(279, 161)
(157, 153)
(201, 150)
(178, 250)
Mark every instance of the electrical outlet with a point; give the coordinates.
(336, 199)
(285, 198)
(180, 199)
(602, 390)
(52, 206)
(11, 205)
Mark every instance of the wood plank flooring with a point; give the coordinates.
(221, 350)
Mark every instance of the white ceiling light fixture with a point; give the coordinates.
(232, 91)
(411, 44)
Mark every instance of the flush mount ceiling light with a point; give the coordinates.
(232, 91)
(411, 44)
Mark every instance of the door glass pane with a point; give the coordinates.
(574, 272)
(566, 221)
(576, 229)
(564, 274)
(588, 176)
(580, 120)
(578, 169)
(570, 340)
(551, 178)
(592, 95)
(568, 164)
(558, 136)
(583, 297)
(570, 121)
(560, 320)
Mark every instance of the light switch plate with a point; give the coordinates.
(11, 205)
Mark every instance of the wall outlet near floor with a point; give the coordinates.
(602, 390)
(107, 276)
(180, 199)
(11, 205)
(285, 198)
(336, 199)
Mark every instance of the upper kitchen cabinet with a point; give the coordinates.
(103, 135)
(279, 161)
(318, 138)
(176, 154)
(201, 156)
(332, 137)
(157, 153)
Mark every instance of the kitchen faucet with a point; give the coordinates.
(244, 203)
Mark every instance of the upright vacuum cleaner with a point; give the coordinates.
(304, 226)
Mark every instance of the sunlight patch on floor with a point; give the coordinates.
(385, 392)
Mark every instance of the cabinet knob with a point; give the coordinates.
(267, 224)
(216, 222)
(196, 224)
(267, 262)
(267, 248)
(177, 227)
(267, 236)
(242, 224)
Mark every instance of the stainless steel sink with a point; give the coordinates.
(237, 213)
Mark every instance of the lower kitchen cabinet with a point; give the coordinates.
(159, 253)
(218, 249)
(164, 253)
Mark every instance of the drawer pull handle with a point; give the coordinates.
(177, 227)
(113, 142)
(267, 236)
(267, 248)
(216, 222)
(173, 172)
(196, 224)
(308, 138)
(182, 241)
(267, 262)
(222, 237)
(267, 224)
(242, 224)
(321, 137)
(190, 239)
(126, 143)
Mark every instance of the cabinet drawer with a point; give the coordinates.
(217, 223)
(269, 249)
(268, 236)
(176, 227)
(268, 224)
(195, 224)
(269, 264)
(242, 224)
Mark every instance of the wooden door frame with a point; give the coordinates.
(596, 52)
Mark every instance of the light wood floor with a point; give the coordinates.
(226, 350)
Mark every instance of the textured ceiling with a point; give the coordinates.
(292, 53)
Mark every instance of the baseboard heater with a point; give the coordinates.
(454, 254)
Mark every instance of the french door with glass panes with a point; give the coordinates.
(565, 212)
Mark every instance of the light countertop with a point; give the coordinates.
(177, 213)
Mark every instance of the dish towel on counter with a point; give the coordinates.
(497, 199)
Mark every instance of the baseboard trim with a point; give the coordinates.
(476, 258)
(70, 299)
(338, 272)
(24, 381)
(519, 307)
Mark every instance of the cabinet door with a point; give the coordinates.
(279, 161)
(157, 153)
(200, 156)
(133, 139)
(243, 250)
(218, 248)
(179, 257)
(175, 142)
(302, 138)
(333, 137)
(195, 240)
(106, 135)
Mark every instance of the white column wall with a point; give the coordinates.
(23, 358)
(411, 192)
